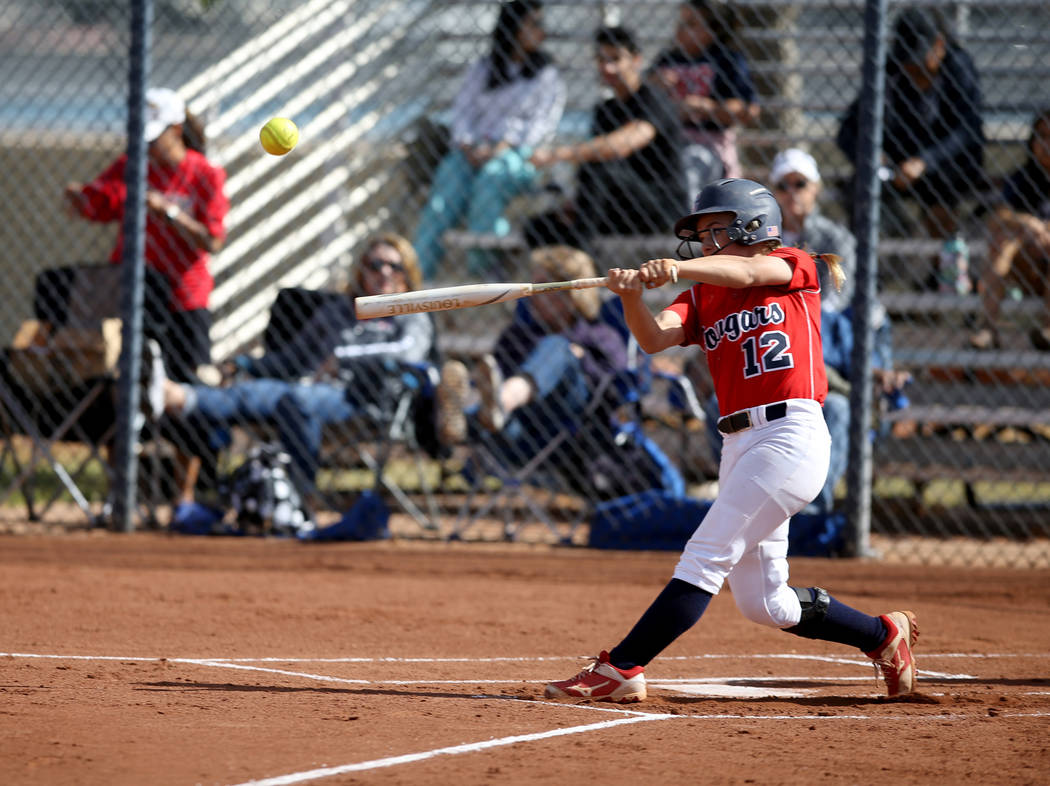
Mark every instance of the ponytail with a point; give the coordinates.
(834, 263)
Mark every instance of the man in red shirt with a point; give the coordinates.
(755, 310)
(186, 209)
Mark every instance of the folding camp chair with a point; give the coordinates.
(528, 492)
(405, 419)
(57, 379)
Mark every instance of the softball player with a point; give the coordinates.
(756, 312)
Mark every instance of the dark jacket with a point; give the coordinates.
(941, 126)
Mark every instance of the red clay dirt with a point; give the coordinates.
(137, 659)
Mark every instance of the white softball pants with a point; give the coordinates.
(769, 472)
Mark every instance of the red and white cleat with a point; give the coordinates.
(894, 657)
(601, 681)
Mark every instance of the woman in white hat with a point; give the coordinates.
(185, 220)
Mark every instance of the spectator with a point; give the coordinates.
(708, 78)
(1019, 239)
(932, 138)
(544, 370)
(352, 365)
(510, 102)
(185, 212)
(630, 177)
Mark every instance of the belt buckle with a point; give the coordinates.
(738, 421)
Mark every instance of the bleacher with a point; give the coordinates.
(959, 394)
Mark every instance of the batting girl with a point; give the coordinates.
(755, 310)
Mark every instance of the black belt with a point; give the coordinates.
(739, 421)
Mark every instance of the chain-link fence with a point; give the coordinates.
(464, 165)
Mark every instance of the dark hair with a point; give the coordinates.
(1041, 116)
(722, 18)
(616, 36)
(914, 33)
(505, 43)
(193, 133)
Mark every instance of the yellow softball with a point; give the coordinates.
(279, 136)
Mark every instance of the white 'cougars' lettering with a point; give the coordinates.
(733, 326)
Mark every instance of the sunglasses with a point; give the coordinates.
(792, 185)
(377, 265)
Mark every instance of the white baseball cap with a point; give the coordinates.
(794, 160)
(163, 108)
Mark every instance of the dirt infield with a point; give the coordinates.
(150, 659)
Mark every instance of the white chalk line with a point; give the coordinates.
(455, 750)
(631, 716)
(523, 659)
(240, 663)
(474, 747)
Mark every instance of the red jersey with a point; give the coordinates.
(762, 343)
(196, 186)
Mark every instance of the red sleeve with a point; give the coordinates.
(104, 196)
(687, 307)
(804, 269)
(214, 204)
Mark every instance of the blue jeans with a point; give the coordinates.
(481, 194)
(299, 411)
(562, 394)
(836, 416)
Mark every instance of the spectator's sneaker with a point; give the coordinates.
(451, 395)
(489, 380)
(985, 338)
(893, 657)
(601, 681)
(154, 379)
(193, 518)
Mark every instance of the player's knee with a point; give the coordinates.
(770, 611)
(815, 602)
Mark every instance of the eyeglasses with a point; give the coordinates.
(377, 265)
(792, 185)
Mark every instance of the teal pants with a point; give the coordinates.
(480, 194)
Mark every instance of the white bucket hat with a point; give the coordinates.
(794, 160)
(163, 108)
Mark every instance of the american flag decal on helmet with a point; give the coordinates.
(772, 230)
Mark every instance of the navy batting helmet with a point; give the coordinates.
(756, 214)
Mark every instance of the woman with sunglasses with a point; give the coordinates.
(335, 366)
(755, 311)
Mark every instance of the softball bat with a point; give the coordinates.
(466, 296)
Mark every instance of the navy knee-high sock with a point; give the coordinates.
(844, 625)
(675, 610)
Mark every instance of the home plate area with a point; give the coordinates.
(817, 679)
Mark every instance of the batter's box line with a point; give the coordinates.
(240, 664)
(425, 681)
(516, 659)
(474, 747)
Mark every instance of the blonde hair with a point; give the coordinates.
(409, 258)
(833, 261)
(563, 263)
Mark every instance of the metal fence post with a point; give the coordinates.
(866, 221)
(134, 229)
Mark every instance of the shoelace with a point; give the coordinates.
(880, 667)
(588, 668)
